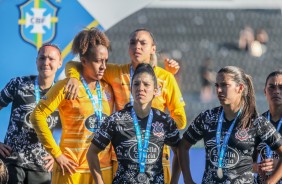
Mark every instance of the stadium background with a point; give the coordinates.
(188, 31)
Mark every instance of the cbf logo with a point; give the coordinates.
(38, 19)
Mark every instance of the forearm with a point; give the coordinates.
(72, 69)
(184, 161)
(176, 170)
(276, 174)
(38, 119)
(94, 165)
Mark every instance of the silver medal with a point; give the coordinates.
(142, 178)
(219, 173)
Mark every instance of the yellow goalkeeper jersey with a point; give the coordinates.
(78, 123)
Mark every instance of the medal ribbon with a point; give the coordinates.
(268, 150)
(142, 150)
(131, 74)
(97, 111)
(37, 90)
(222, 149)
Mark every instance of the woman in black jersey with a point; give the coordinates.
(231, 133)
(138, 134)
(268, 158)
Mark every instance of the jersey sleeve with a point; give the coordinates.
(268, 133)
(105, 134)
(110, 73)
(172, 137)
(72, 69)
(48, 104)
(175, 102)
(7, 94)
(194, 133)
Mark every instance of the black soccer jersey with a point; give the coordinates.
(119, 129)
(21, 137)
(238, 160)
(261, 150)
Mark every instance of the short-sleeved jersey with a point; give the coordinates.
(119, 129)
(79, 123)
(261, 150)
(238, 160)
(27, 151)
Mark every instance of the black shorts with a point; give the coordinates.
(19, 175)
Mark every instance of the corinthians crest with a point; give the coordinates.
(38, 20)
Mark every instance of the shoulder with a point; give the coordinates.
(62, 82)
(160, 113)
(23, 80)
(212, 112)
(162, 72)
(259, 121)
(120, 116)
(118, 66)
(162, 117)
(209, 116)
(29, 78)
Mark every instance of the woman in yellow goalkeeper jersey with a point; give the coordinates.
(80, 117)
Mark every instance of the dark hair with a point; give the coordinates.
(146, 30)
(272, 74)
(87, 39)
(4, 177)
(145, 68)
(249, 110)
(51, 45)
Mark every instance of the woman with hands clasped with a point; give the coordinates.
(138, 134)
(270, 159)
(231, 132)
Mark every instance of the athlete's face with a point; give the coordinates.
(48, 61)
(228, 91)
(273, 90)
(143, 89)
(94, 66)
(141, 47)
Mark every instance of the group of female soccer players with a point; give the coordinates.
(130, 145)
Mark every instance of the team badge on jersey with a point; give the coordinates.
(38, 20)
(158, 129)
(242, 134)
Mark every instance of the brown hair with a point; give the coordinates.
(145, 68)
(51, 45)
(146, 30)
(87, 39)
(248, 101)
(272, 74)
